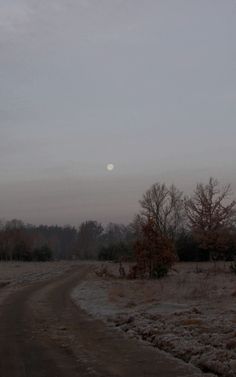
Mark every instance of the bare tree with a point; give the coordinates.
(211, 215)
(164, 205)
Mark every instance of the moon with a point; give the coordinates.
(110, 167)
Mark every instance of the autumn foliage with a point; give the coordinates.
(154, 253)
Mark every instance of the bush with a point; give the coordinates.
(188, 250)
(160, 271)
(154, 253)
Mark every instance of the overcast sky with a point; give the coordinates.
(149, 85)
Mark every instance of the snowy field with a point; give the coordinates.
(14, 275)
(191, 314)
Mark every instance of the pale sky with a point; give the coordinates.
(148, 85)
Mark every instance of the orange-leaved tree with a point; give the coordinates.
(154, 252)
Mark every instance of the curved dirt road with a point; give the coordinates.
(44, 334)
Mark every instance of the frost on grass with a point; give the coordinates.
(14, 275)
(190, 314)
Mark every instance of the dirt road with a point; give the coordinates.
(44, 334)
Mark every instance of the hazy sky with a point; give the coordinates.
(149, 85)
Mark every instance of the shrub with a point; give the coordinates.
(154, 253)
(188, 249)
(160, 271)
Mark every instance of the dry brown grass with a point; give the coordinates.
(191, 322)
(149, 293)
(192, 310)
(185, 285)
(130, 304)
(115, 293)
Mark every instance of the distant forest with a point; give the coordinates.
(26, 242)
(195, 228)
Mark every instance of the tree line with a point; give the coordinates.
(169, 226)
(91, 240)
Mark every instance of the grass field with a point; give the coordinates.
(190, 314)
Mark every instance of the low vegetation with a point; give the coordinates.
(189, 314)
